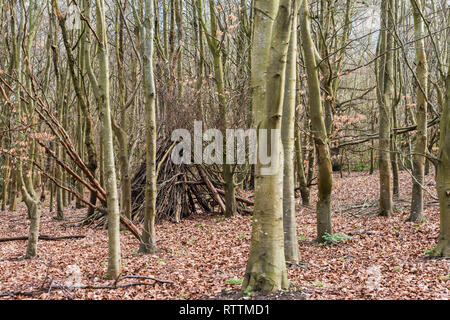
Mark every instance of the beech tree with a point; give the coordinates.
(101, 87)
(148, 244)
(325, 178)
(443, 174)
(90, 97)
(266, 266)
(288, 138)
(384, 92)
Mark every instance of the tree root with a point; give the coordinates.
(442, 248)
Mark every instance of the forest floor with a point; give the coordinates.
(205, 255)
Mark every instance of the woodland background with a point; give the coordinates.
(91, 91)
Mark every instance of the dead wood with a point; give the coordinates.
(43, 237)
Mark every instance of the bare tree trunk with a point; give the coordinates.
(301, 177)
(288, 138)
(214, 46)
(6, 178)
(325, 178)
(421, 115)
(101, 90)
(148, 244)
(443, 176)
(266, 265)
(385, 99)
(12, 197)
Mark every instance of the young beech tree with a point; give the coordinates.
(287, 137)
(148, 244)
(33, 204)
(77, 83)
(216, 51)
(266, 266)
(421, 115)
(25, 183)
(384, 94)
(325, 177)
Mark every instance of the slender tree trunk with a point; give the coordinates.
(301, 177)
(34, 212)
(421, 115)
(6, 177)
(325, 178)
(385, 99)
(102, 93)
(266, 265)
(12, 197)
(443, 176)
(148, 244)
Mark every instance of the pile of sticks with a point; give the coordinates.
(183, 190)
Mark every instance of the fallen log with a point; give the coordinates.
(43, 237)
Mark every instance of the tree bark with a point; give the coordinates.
(266, 265)
(443, 176)
(325, 177)
(102, 93)
(148, 243)
(385, 99)
(288, 138)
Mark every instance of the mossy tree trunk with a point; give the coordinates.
(266, 265)
(120, 130)
(301, 176)
(101, 89)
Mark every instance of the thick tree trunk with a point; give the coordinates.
(266, 265)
